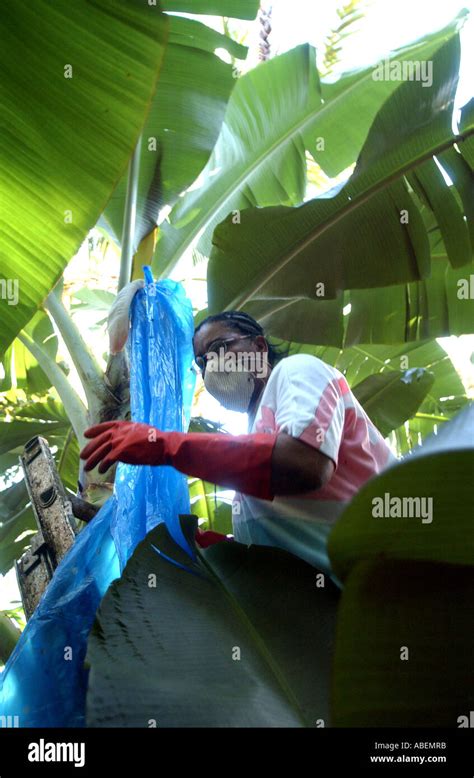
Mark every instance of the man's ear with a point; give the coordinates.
(261, 343)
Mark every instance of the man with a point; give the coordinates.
(310, 445)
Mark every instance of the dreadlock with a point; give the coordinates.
(247, 326)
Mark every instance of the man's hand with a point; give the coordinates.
(125, 441)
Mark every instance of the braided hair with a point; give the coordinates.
(247, 326)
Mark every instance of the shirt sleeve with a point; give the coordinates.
(310, 403)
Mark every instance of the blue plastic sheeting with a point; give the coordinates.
(161, 386)
(44, 682)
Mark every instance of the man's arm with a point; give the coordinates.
(298, 467)
(251, 464)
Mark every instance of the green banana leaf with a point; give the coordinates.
(277, 112)
(98, 300)
(71, 129)
(431, 308)
(67, 461)
(21, 370)
(408, 588)
(237, 9)
(439, 471)
(17, 523)
(241, 637)
(16, 538)
(208, 504)
(13, 500)
(17, 432)
(391, 398)
(356, 238)
(183, 124)
(9, 636)
(404, 646)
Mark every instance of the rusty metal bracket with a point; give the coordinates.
(57, 527)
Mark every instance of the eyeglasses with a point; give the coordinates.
(199, 363)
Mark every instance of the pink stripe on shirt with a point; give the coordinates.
(315, 432)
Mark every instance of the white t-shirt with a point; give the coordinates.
(311, 401)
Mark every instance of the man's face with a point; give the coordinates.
(209, 339)
(227, 358)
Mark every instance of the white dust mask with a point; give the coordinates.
(233, 389)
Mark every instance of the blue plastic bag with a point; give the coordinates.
(44, 682)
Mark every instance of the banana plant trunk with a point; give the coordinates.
(9, 636)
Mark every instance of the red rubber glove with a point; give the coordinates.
(241, 462)
(207, 537)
